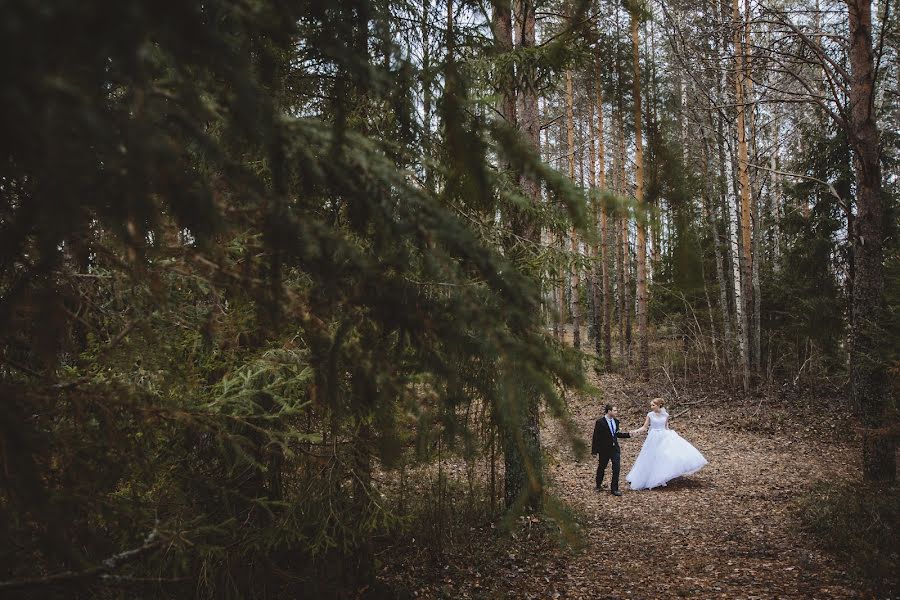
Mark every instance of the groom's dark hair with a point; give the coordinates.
(607, 408)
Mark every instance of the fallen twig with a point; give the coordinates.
(797, 378)
(758, 406)
(98, 572)
(695, 402)
(672, 383)
(681, 413)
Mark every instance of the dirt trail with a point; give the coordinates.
(722, 532)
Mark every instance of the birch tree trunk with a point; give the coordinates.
(732, 223)
(710, 214)
(746, 262)
(754, 186)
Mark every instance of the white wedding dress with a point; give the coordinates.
(664, 456)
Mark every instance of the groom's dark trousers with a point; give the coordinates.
(606, 446)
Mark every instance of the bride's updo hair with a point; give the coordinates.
(659, 402)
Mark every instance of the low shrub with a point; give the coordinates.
(860, 524)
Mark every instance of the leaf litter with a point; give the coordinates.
(724, 532)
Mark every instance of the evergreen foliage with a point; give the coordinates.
(807, 307)
(265, 265)
(227, 301)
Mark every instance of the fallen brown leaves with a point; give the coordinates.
(724, 532)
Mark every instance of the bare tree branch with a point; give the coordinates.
(831, 188)
(881, 35)
(100, 571)
(811, 43)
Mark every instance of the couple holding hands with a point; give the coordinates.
(664, 456)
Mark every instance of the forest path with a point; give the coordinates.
(722, 532)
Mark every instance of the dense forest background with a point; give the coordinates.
(267, 269)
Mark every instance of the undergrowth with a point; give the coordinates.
(860, 524)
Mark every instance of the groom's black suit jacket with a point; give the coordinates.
(603, 442)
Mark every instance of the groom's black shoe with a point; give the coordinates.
(616, 493)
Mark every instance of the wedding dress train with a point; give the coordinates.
(664, 456)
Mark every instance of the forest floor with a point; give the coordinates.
(726, 532)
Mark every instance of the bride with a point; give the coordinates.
(665, 455)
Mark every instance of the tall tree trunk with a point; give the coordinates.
(775, 213)
(756, 229)
(746, 262)
(576, 281)
(624, 236)
(590, 313)
(619, 184)
(562, 283)
(732, 224)
(728, 342)
(501, 22)
(596, 252)
(652, 221)
(711, 217)
(804, 198)
(624, 295)
(523, 480)
(528, 118)
(643, 346)
(725, 188)
(755, 338)
(621, 307)
(427, 95)
(547, 239)
(627, 300)
(604, 227)
(730, 198)
(868, 374)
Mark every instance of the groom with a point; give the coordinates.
(606, 446)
